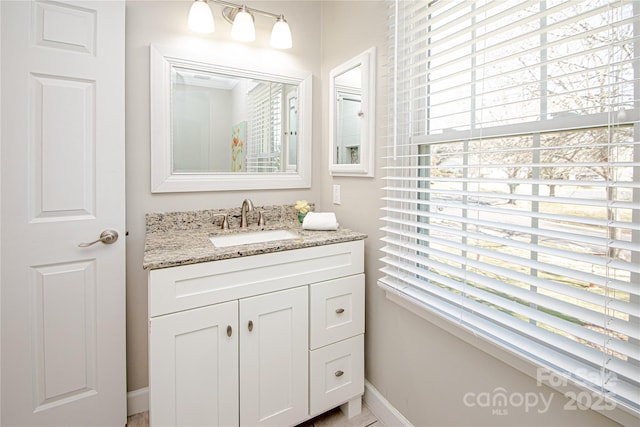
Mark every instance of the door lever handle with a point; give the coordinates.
(107, 237)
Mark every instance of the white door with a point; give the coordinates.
(193, 361)
(63, 306)
(274, 358)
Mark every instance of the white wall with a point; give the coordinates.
(422, 369)
(164, 23)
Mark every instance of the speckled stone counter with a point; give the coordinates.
(179, 238)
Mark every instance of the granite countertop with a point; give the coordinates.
(180, 238)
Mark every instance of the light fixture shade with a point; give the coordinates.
(281, 34)
(243, 28)
(201, 18)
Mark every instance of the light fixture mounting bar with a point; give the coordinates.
(250, 9)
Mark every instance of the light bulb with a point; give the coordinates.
(242, 28)
(200, 18)
(281, 34)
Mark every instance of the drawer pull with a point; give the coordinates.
(339, 373)
(250, 325)
(339, 310)
(229, 330)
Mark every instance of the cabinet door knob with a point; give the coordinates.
(339, 373)
(229, 330)
(339, 310)
(250, 325)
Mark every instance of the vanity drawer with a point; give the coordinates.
(336, 310)
(336, 374)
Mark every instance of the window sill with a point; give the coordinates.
(618, 413)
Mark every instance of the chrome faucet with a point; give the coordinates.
(247, 206)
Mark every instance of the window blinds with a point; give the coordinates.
(512, 179)
(264, 147)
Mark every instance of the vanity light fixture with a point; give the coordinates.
(281, 34)
(242, 19)
(242, 28)
(200, 18)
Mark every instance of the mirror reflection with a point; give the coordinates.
(223, 123)
(352, 116)
(348, 98)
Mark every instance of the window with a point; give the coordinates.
(264, 145)
(513, 179)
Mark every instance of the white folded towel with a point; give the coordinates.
(320, 221)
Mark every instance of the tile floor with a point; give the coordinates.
(334, 418)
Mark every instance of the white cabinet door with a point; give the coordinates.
(193, 365)
(274, 358)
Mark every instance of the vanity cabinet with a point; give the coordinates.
(270, 339)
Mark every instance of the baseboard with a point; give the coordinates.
(382, 409)
(137, 401)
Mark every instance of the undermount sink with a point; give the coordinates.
(247, 238)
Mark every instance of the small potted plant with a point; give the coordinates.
(302, 206)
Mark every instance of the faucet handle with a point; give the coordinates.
(261, 220)
(225, 221)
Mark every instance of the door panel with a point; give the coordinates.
(64, 337)
(193, 357)
(62, 141)
(65, 27)
(63, 149)
(274, 358)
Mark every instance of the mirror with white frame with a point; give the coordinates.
(220, 126)
(352, 116)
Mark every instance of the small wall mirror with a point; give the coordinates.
(221, 127)
(352, 116)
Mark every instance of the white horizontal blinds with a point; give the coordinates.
(513, 178)
(265, 124)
